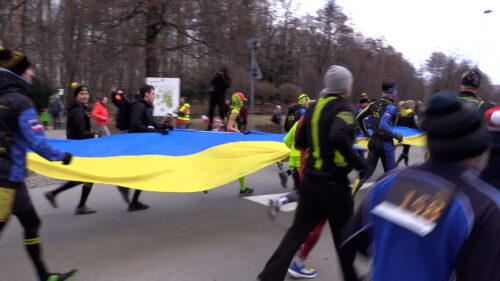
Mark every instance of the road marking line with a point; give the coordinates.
(264, 199)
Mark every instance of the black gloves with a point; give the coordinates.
(163, 132)
(398, 136)
(67, 158)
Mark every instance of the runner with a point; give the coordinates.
(233, 125)
(20, 131)
(437, 220)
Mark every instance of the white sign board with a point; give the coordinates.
(167, 92)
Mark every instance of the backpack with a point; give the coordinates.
(293, 115)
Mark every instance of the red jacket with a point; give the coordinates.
(100, 113)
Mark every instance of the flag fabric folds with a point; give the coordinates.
(182, 161)
(410, 136)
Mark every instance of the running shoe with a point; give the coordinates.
(283, 179)
(62, 277)
(84, 210)
(137, 206)
(280, 165)
(247, 191)
(274, 208)
(302, 272)
(52, 199)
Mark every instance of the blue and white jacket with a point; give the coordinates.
(20, 129)
(463, 245)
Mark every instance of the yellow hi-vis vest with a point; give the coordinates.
(186, 116)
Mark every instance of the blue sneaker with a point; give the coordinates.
(302, 272)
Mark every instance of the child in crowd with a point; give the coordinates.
(45, 118)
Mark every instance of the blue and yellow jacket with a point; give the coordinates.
(464, 242)
(19, 129)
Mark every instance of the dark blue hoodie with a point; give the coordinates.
(19, 129)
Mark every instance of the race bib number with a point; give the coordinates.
(7, 196)
(416, 204)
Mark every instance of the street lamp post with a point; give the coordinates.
(481, 38)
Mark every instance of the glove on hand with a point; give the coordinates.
(67, 158)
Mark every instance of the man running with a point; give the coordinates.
(20, 130)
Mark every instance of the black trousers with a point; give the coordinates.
(320, 197)
(215, 100)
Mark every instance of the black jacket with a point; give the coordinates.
(474, 100)
(141, 118)
(220, 83)
(78, 125)
(336, 135)
(490, 174)
(123, 102)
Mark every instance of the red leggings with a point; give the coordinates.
(312, 240)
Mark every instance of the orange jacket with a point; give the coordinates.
(100, 113)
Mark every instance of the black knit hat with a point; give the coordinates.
(13, 61)
(471, 79)
(80, 89)
(387, 85)
(455, 130)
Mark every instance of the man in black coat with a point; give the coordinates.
(141, 121)
(220, 83)
(77, 128)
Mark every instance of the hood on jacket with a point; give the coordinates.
(10, 80)
(236, 102)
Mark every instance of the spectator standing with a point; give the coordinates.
(183, 114)
(56, 110)
(45, 118)
(277, 118)
(100, 114)
(220, 83)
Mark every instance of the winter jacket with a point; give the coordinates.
(19, 129)
(123, 102)
(328, 134)
(220, 83)
(100, 113)
(411, 234)
(55, 108)
(141, 118)
(78, 124)
(490, 174)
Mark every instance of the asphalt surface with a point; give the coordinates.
(182, 237)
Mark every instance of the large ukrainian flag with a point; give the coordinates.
(412, 137)
(182, 161)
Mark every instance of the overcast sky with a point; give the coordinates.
(417, 28)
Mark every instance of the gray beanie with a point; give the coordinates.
(338, 80)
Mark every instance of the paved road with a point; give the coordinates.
(183, 237)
